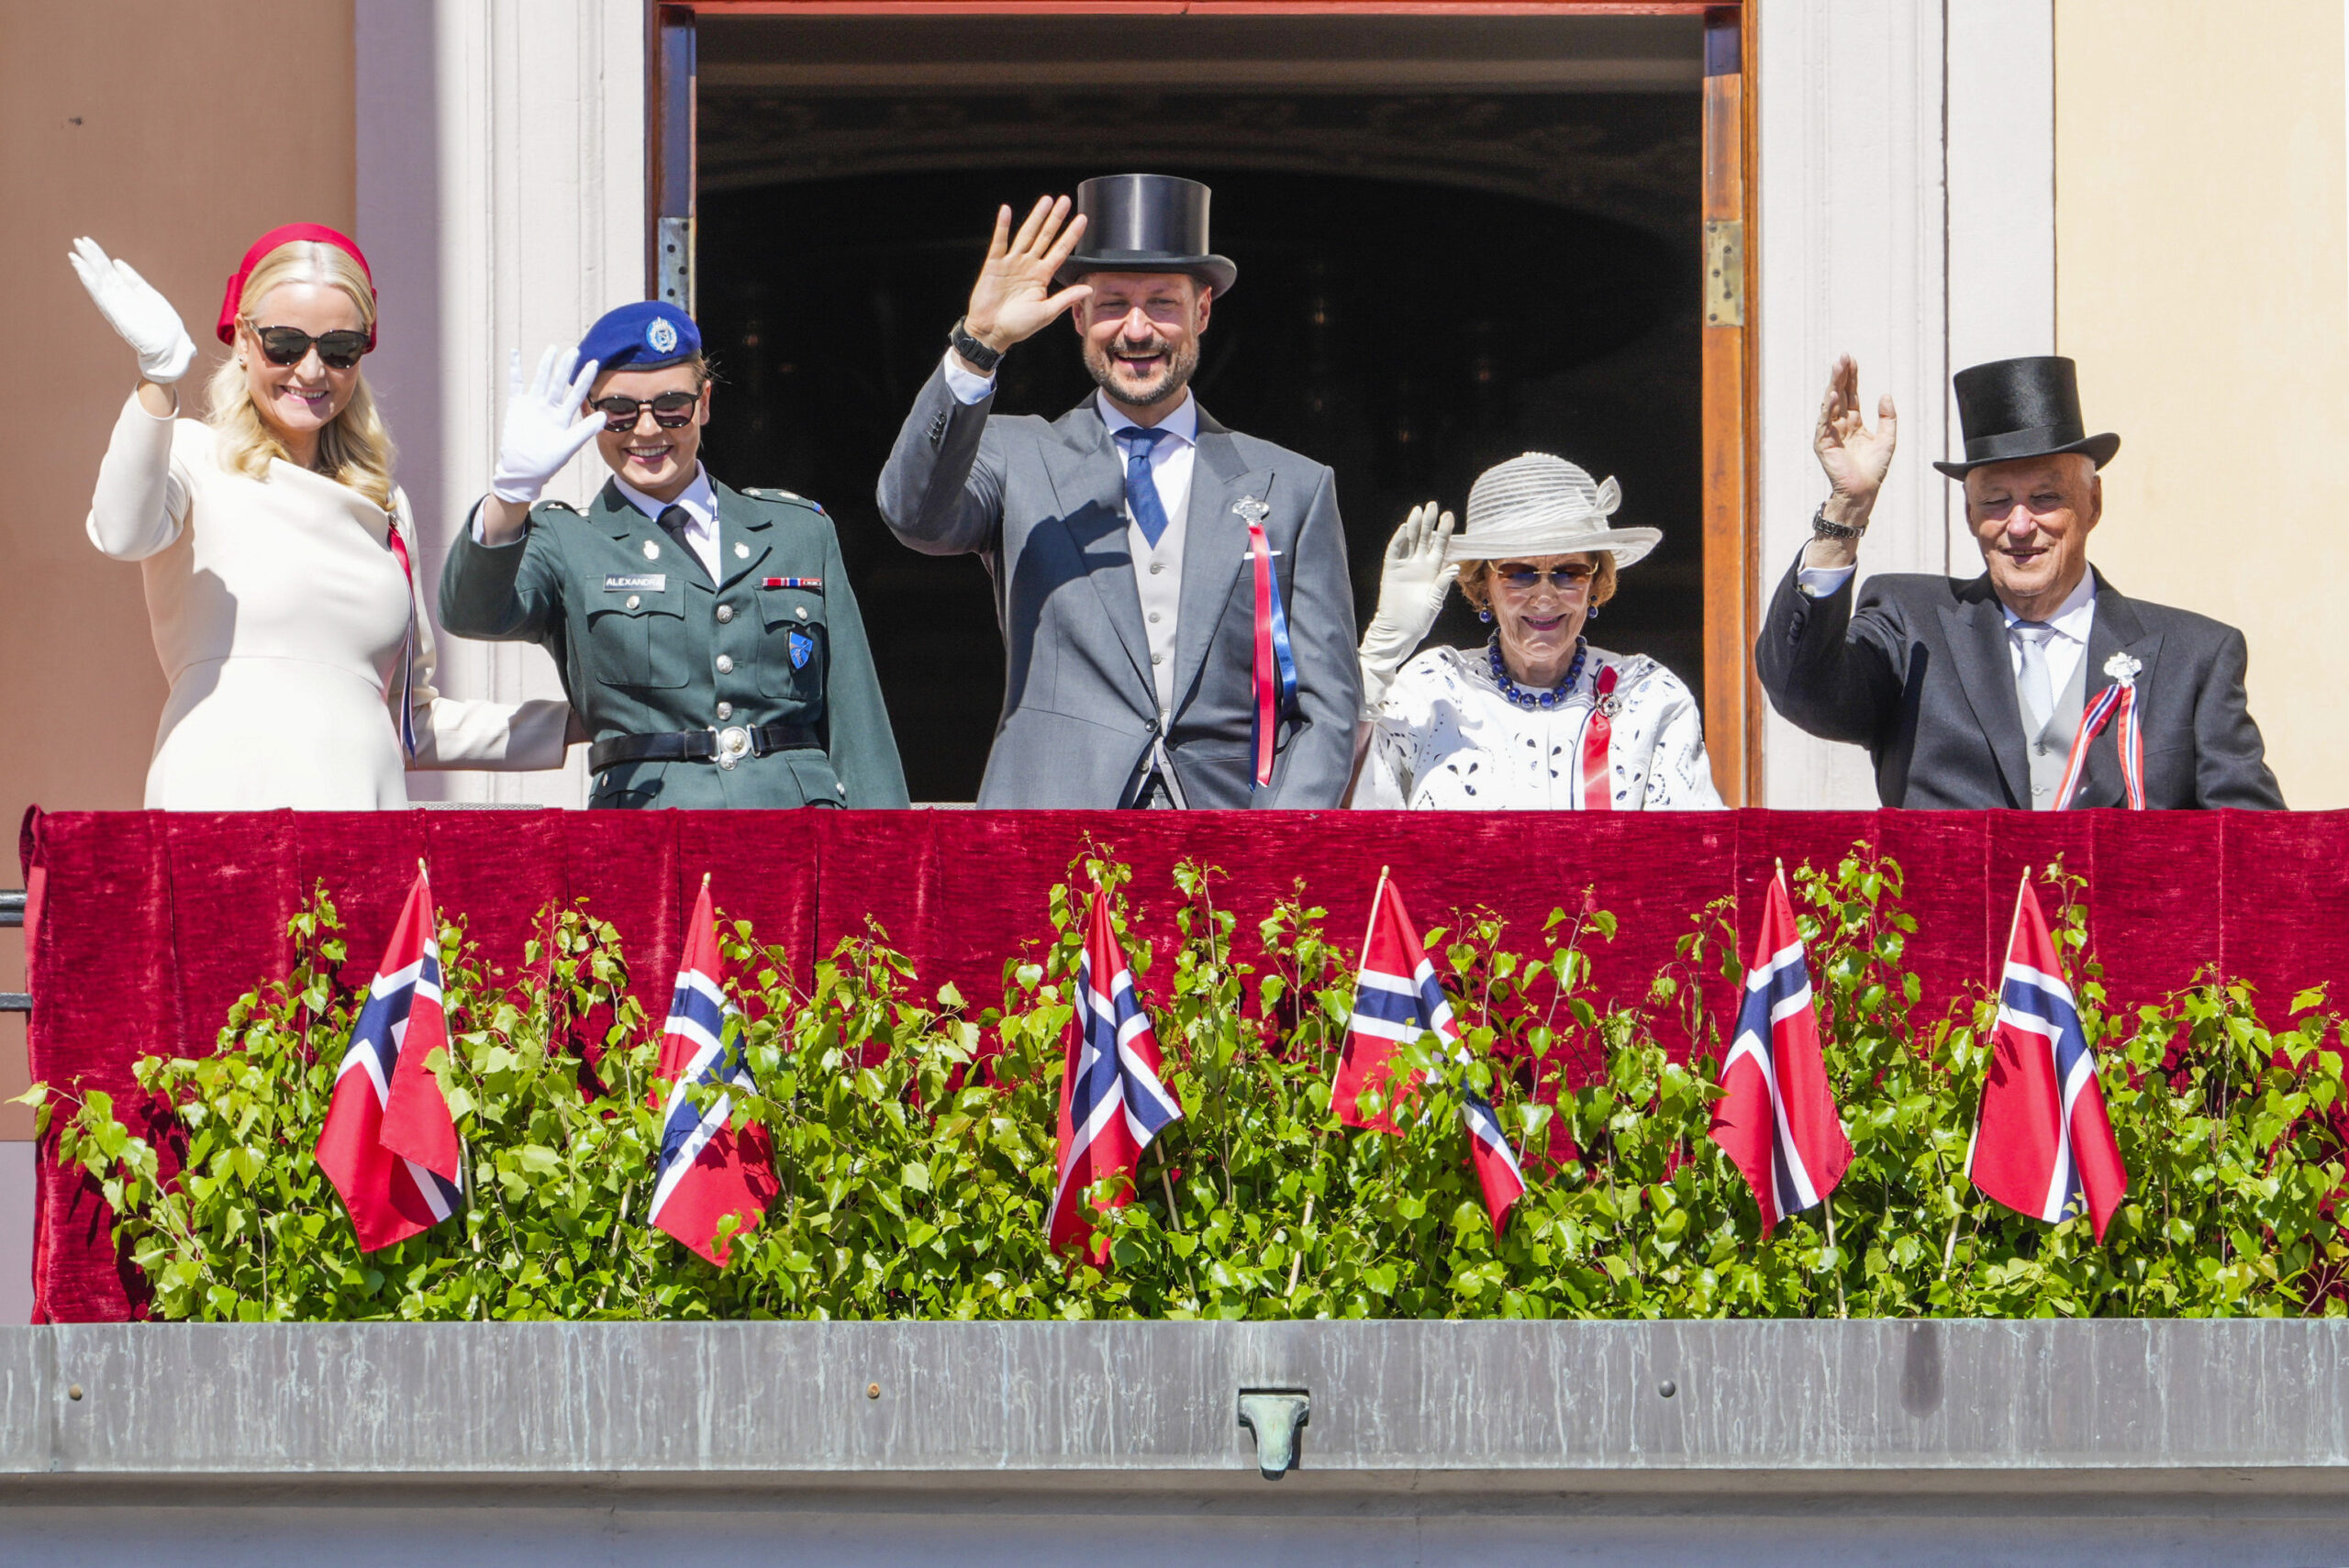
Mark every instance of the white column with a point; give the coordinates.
(1906, 191)
(501, 148)
(2001, 162)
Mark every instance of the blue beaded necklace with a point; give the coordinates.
(1536, 700)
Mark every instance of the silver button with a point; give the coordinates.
(726, 711)
(725, 613)
(633, 601)
(1156, 567)
(1154, 618)
(1158, 658)
(741, 552)
(803, 612)
(725, 664)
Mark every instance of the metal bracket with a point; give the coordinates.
(1275, 1416)
(675, 262)
(12, 913)
(1725, 272)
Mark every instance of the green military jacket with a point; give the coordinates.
(648, 644)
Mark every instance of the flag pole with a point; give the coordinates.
(1827, 1204)
(1297, 1253)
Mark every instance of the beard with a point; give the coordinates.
(1174, 371)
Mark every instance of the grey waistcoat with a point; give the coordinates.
(2051, 749)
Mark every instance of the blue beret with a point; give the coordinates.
(643, 335)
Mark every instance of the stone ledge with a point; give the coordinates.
(2136, 1408)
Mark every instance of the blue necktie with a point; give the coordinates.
(1141, 490)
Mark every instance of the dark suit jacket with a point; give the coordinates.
(1042, 504)
(1918, 673)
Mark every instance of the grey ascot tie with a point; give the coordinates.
(2032, 686)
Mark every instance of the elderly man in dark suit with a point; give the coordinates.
(1176, 612)
(1987, 692)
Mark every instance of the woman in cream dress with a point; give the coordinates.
(277, 553)
(1537, 719)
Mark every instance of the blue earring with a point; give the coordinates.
(1485, 615)
(1593, 615)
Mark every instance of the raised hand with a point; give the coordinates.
(1415, 577)
(1412, 581)
(140, 315)
(1013, 299)
(1856, 459)
(544, 429)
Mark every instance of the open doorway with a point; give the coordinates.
(1457, 240)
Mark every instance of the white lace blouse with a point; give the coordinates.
(1446, 739)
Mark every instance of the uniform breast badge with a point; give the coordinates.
(803, 648)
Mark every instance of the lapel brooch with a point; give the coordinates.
(2124, 669)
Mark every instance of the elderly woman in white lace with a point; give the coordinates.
(1537, 719)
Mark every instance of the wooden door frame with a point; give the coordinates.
(1734, 700)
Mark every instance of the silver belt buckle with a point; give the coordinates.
(733, 745)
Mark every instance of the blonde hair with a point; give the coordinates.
(353, 447)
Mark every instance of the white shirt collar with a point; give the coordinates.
(1183, 423)
(2074, 617)
(699, 501)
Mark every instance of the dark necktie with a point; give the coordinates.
(1142, 489)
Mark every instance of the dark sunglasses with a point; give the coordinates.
(671, 410)
(290, 345)
(1527, 578)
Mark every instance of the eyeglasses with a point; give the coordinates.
(290, 346)
(671, 410)
(1527, 578)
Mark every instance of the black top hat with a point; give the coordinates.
(1146, 223)
(2019, 409)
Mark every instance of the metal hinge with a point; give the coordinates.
(676, 238)
(1725, 272)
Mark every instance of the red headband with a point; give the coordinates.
(233, 301)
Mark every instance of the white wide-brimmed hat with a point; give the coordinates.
(1537, 505)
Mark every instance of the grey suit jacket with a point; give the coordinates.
(1043, 503)
(1918, 673)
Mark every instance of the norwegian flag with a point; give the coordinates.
(1776, 1118)
(1112, 1103)
(708, 1169)
(1397, 999)
(2043, 1145)
(389, 1145)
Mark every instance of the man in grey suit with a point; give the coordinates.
(1136, 546)
(1986, 692)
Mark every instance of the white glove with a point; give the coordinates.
(138, 313)
(1411, 587)
(541, 432)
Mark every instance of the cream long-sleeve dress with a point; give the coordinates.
(280, 615)
(1445, 739)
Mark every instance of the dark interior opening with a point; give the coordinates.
(1429, 283)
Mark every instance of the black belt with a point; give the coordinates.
(725, 747)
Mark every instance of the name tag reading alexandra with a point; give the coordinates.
(636, 582)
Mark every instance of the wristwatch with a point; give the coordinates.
(1822, 528)
(976, 354)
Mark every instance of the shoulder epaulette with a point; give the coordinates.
(765, 494)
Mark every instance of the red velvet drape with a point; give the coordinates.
(151, 923)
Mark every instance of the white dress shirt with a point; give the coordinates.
(2067, 640)
(2067, 643)
(700, 503)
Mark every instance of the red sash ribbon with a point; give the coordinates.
(1598, 739)
(2130, 738)
(407, 643)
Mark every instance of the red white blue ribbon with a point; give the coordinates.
(1275, 663)
(1598, 745)
(407, 643)
(2121, 696)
